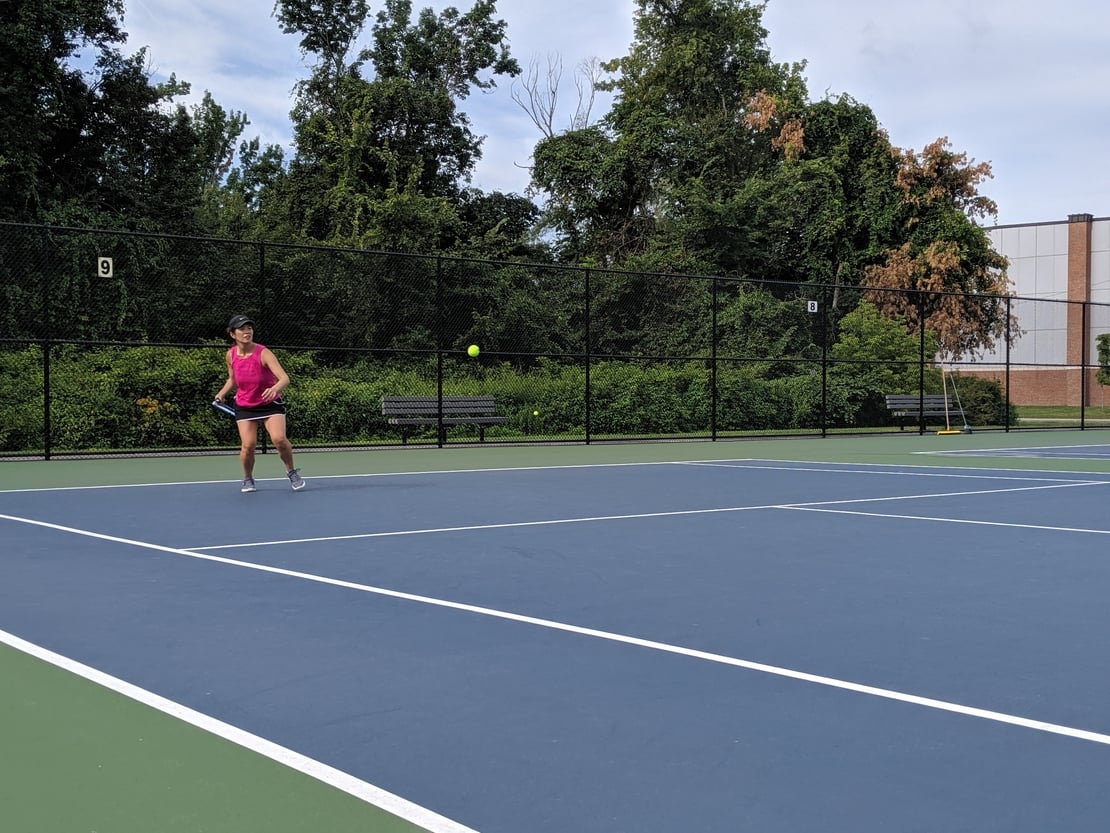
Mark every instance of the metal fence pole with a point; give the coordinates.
(824, 361)
(1006, 400)
(921, 361)
(47, 320)
(440, 430)
(263, 313)
(713, 366)
(586, 315)
(1085, 328)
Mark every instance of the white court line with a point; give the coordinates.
(354, 475)
(968, 452)
(872, 468)
(949, 520)
(357, 536)
(923, 471)
(778, 671)
(414, 813)
(916, 468)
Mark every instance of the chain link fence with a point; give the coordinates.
(113, 343)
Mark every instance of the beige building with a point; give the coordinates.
(1060, 276)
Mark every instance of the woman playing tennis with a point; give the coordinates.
(258, 379)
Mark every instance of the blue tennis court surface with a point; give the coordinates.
(734, 645)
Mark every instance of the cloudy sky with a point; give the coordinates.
(1022, 84)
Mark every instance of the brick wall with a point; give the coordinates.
(1045, 386)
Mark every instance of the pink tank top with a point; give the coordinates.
(251, 378)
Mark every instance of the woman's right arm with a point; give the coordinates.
(230, 383)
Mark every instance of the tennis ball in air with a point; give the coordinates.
(473, 351)
(535, 413)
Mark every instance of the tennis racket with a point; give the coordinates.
(223, 408)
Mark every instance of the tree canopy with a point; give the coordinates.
(87, 138)
(713, 160)
(383, 150)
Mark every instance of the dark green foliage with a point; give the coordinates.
(635, 399)
(753, 324)
(383, 150)
(874, 356)
(1103, 375)
(652, 314)
(151, 398)
(21, 399)
(135, 398)
(746, 402)
(982, 401)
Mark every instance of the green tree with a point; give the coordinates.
(42, 92)
(1103, 374)
(499, 226)
(679, 129)
(86, 138)
(874, 355)
(395, 145)
(713, 160)
(236, 206)
(774, 334)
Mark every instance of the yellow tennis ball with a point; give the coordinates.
(473, 351)
(535, 413)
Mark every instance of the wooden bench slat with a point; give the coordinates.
(433, 408)
(409, 411)
(488, 420)
(927, 406)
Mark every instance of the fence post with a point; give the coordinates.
(824, 312)
(713, 366)
(48, 329)
(921, 361)
(439, 353)
(586, 317)
(1086, 335)
(264, 436)
(46, 439)
(1006, 403)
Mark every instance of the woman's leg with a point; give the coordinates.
(248, 442)
(275, 427)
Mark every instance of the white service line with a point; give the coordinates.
(920, 471)
(349, 476)
(789, 673)
(972, 522)
(636, 516)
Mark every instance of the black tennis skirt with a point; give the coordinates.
(261, 412)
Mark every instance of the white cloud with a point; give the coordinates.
(1017, 83)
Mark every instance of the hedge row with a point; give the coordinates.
(149, 398)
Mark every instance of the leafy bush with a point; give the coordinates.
(152, 398)
(631, 398)
(982, 400)
(1103, 374)
(21, 405)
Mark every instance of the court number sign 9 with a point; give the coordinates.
(104, 267)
